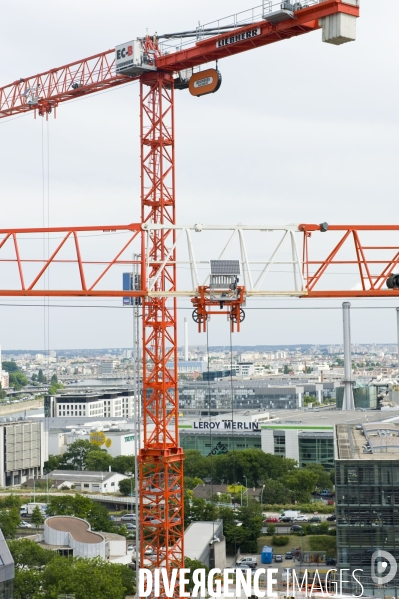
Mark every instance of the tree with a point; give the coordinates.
(126, 486)
(9, 366)
(192, 565)
(286, 369)
(94, 578)
(42, 573)
(98, 460)
(37, 516)
(9, 521)
(41, 378)
(81, 507)
(301, 483)
(196, 464)
(75, 455)
(28, 554)
(53, 463)
(192, 482)
(275, 492)
(27, 583)
(123, 464)
(17, 380)
(54, 380)
(323, 480)
(256, 465)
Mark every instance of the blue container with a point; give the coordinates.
(267, 555)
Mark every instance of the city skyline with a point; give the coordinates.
(276, 140)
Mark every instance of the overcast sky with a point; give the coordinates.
(299, 131)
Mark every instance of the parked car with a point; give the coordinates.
(287, 572)
(330, 561)
(24, 524)
(326, 493)
(252, 562)
(289, 555)
(314, 519)
(296, 528)
(270, 519)
(278, 558)
(244, 567)
(332, 518)
(285, 519)
(131, 526)
(301, 519)
(128, 517)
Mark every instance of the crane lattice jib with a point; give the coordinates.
(45, 91)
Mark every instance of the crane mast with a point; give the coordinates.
(161, 70)
(161, 459)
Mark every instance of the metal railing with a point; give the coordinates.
(179, 41)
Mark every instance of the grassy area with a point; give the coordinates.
(324, 543)
(294, 541)
(310, 543)
(308, 508)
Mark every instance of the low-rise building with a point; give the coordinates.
(205, 542)
(86, 480)
(72, 537)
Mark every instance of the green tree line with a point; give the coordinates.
(42, 573)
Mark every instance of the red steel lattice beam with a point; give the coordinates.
(161, 459)
(374, 263)
(97, 73)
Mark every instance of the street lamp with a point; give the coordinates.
(301, 535)
(261, 495)
(246, 487)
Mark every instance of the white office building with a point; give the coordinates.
(112, 404)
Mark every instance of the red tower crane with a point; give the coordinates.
(160, 72)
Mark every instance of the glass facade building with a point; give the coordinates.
(316, 448)
(367, 507)
(219, 442)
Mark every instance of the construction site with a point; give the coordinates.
(163, 267)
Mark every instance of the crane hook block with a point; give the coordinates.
(205, 82)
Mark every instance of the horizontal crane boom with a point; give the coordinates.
(45, 91)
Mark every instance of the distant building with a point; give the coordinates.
(249, 394)
(22, 452)
(5, 379)
(245, 369)
(112, 404)
(106, 368)
(86, 480)
(364, 397)
(306, 444)
(116, 441)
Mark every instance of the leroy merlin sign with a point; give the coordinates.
(226, 425)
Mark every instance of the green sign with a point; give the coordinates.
(131, 438)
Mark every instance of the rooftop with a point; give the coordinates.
(372, 441)
(197, 536)
(328, 417)
(79, 475)
(78, 529)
